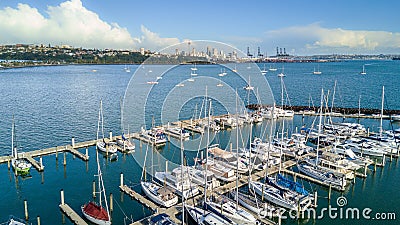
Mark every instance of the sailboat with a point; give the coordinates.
(272, 68)
(264, 71)
(95, 212)
(207, 216)
(20, 166)
(318, 172)
(234, 70)
(194, 68)
(123, 142)
(101, 145)
(317, 72)
(14, 221)
(127, 69)
(363, 72)
(161, 195)
(248, 87)
(281, 74)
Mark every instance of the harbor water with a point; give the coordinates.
(53, 104)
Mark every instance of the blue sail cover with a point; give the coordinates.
(294, 186)
(123, 137)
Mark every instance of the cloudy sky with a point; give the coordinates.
(302, 27)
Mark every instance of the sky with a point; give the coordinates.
(303, 27)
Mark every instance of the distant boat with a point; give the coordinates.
(363, 72)
(194, 68)
(282, 73)
(235, 70)
(127, 69)
(264, 71)
(317, 72)
(152, 82)
(248, 87)
(272, 68)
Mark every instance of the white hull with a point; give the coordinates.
(150, 189)
(94, 220)
(272, 194)
(103, 147)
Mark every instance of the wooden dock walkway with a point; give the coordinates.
(39, 166)
(140, 198)
(72, 215)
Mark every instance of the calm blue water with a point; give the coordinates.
(53, 104)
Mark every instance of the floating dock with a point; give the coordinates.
(70, 213)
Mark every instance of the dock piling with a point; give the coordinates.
(94, 189)
(365, 170)
(38, 220)
(56, 152)
(111, 136)
(87, 152)
(26, 210)
(41, 162)
(121, 180)
(65, 159)
(73, 142)
(383, 160)
(8, 164)
(330, 191)
(354, 178)
(111, 202)
(62, 196)
(315, 198)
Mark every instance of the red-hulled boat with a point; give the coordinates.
(96, 214)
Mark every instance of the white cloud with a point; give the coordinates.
(153, 40)
(71, 23)
(317, 39)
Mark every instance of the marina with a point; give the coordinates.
(73, 159)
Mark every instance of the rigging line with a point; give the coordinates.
(123, 212)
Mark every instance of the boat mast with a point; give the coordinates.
(237, 153)
(206, 158)
(98, 123)
(333, 96)
(383, 99)
(282, 91)
(319, 126)
(182, 161)
(14, 153)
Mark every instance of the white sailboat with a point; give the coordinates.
(264, 70)
(95, 212)
(19, 165)
(108, 148)
(125, 143)
(272, 68)
(161, 195)
(363, 72)
(206, 216)
(248, 87)
(317, 72)
(282, 74)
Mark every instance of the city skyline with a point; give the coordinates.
(302, 27)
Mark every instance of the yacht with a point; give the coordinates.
(177, 182)
(163, 196)
(224, 206)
